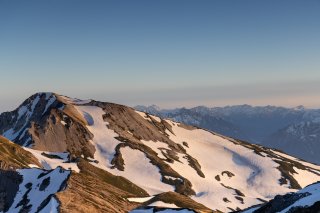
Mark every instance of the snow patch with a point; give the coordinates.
(22, 110)
(157, 146)
(51, 207)
(137, 165)
(52, 163)
(49, 103)
(155, 118)
(305, 177)
(104, 138)
(144, 115)
(163, 204)
(74, 101)
(140, 199)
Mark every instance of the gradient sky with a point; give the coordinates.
(169, 52)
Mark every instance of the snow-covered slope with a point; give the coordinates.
(199, 116)
(37, 190)
(26, 189)
(293, 130)
(206, 169)
(225, 175)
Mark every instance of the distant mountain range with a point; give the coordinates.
(61, 154)
(293, 130)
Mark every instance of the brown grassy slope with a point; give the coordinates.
(95, 190)
(12, 156)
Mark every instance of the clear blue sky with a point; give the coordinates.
(168, 52)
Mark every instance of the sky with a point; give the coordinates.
(170, 53)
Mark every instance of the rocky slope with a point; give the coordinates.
(122, 159)
(306, 200)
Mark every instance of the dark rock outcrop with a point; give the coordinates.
(9, 186)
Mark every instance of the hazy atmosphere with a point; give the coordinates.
(169, 53)
(160, 106)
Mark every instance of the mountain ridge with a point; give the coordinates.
(288, 129)
(91, 137)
